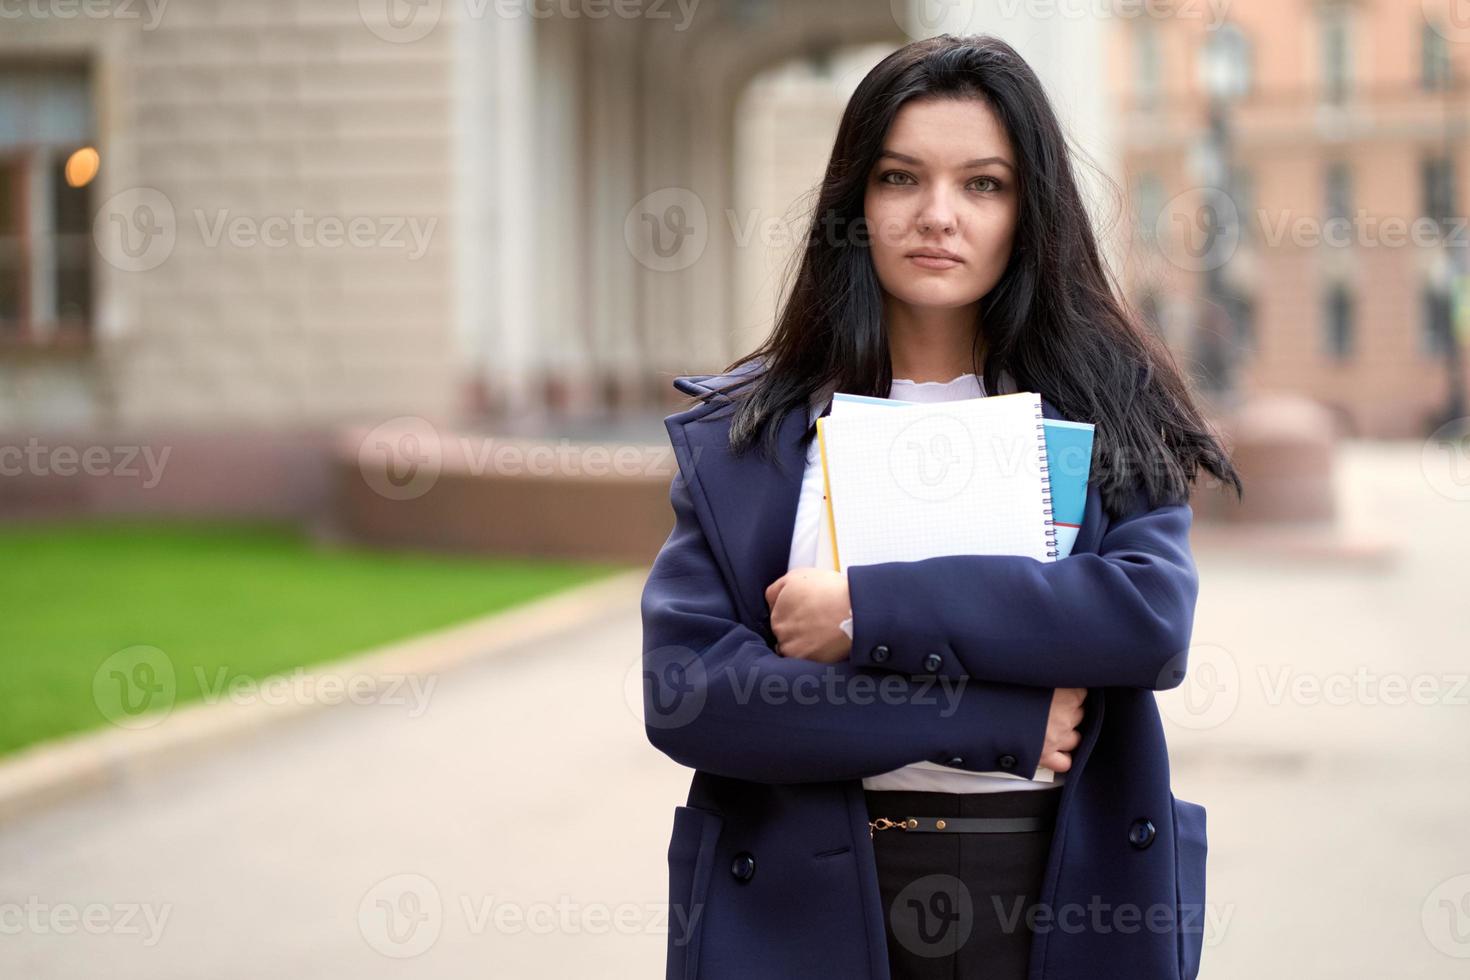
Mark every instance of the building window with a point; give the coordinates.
(1338, 204)
(47, 167)
(1436, 313)
(1148, 204)
(1434, 58)
(1437, 188)
(1243, 193)
(1148, 64)
(1339, 322)
(1241, 308)
(1336, 42)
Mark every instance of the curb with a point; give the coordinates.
(49, 772)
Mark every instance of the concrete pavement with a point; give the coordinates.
(517, 826)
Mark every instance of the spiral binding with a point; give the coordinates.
(1046, 506)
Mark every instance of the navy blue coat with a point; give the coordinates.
(770, 861)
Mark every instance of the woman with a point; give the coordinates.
(955, 766)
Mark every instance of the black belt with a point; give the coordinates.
(961, 825)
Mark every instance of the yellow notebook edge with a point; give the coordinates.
(827, 495)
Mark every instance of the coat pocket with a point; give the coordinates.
(1190, 847)
(691, 860)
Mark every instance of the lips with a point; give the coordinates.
(933, 260)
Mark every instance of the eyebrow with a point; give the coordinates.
(979, 162)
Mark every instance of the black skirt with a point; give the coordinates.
(961, 904)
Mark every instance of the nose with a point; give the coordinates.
(937, 211)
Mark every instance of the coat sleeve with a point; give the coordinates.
(718, 698)
(1121, 617)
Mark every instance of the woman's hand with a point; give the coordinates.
(807, 607)
(1061, 728)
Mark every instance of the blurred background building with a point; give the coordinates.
(1341, 127)
(239, 227)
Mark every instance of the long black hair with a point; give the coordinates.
(1054, 321)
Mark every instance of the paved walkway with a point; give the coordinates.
(516, 828)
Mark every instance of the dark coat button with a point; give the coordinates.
(1006, 761)
(744, 866)
(933, 662)
(1142, 833)
(880, 654)
(958, 760)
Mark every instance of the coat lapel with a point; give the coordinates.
(750, 504)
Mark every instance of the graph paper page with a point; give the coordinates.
(941, 478)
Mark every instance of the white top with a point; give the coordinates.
(923, 775)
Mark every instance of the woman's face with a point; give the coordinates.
(944, 183)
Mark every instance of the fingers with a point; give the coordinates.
(1057, 761)
(774, 590)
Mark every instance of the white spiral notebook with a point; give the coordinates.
(964, 477)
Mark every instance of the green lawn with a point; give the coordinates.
(217, 601)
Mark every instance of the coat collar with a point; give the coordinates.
(747, 503)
